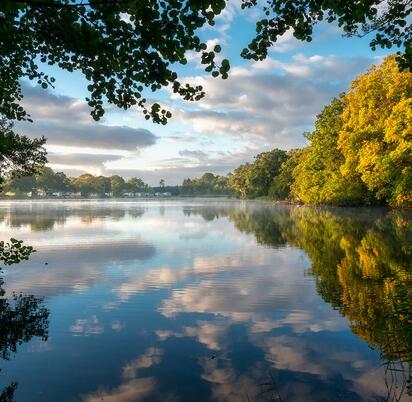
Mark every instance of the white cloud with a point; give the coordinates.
(66, 121)
(272, 102)
(88, 326)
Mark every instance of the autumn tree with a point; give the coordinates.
(376, 134)
(317, 176)
(360, 152)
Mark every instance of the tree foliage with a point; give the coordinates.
(317, 176)
(360, 152)
(125, 47)
(14, 251)
(48, 182)
(388, 20)
(207, 184)
(376, 134)
(19, 155)
(120, 46)
(280, 189)
(254, 179)
(45, 180)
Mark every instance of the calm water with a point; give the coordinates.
(206, 301)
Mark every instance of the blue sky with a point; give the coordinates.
(261, 106)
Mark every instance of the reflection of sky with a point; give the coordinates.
(151, 303)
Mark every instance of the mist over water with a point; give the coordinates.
(211, 300)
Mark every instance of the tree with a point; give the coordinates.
(19, 155)
(23, 184)
(23, 317)
(240, 180)
(135, 185)
(85, 184)
(13, 252)
(117, 184)
(49, 181)
(62, 182)
(101, 185)
(376, 135)
(254, 180)
(207, 184)
(265, 167)
(317, 177)
(280, 189)
(124, 46)
(162, 183)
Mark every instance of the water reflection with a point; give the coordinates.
(362, 262)
(22, 317)
(44, 217)
(219, 301)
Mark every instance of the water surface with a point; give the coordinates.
(206, 300)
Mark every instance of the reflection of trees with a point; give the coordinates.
(43, 219)
(22, 317)
(266, 224)
(208, 212)
(361, 261)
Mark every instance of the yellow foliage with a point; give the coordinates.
(376, 134)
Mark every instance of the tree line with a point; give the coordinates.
(360, 152)
(46, 181)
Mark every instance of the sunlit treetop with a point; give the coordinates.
(124, 46)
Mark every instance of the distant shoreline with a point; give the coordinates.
(115, 198)
(188, 197)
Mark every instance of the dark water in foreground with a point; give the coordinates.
(206, 301)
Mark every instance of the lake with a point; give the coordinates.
(206, 300)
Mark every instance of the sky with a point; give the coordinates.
(261, 106)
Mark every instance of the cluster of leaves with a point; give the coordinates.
(389, 20)
(19, 155)
(14, 251)
(252, 180)
(120, 46)
(360, 152)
